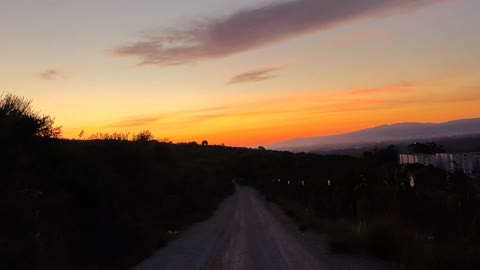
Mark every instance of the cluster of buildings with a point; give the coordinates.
(468, 162)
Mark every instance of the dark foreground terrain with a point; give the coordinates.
(248, 233)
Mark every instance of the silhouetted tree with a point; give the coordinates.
(388, 155)
(429, 148)
(204, 143)
(18, 120)
(261, 148)
(144, 136)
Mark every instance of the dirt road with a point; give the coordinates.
(247, 233)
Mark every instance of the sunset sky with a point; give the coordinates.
(244, 73)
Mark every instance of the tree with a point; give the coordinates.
(47, 129)
(388, 155)
(143, 136)
(204, 143)
(429, 148)
(19, 121)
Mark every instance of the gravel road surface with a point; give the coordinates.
(246, 233)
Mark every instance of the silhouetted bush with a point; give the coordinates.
(103, 203)
(20, 122)
(143, 136)
(400, 223)
(342, 238)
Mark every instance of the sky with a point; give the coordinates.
(242, 73)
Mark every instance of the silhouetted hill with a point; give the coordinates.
(385, 133)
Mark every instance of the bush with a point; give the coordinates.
(455, 256)
(342, 237)
(143, 136)
(385, 242)
(19, 121)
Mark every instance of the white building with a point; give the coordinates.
(418, 158)
(468, 162)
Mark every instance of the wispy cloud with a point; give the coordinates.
(49, 74)
(178, 117)
(395, 89)
(254, 76)
(136, 122)
(311, 104)
(257, 27)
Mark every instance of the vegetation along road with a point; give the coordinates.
(247, 232)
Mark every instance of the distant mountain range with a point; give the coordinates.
(385, 133)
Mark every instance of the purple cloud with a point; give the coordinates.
(253, 76)
(258, 27)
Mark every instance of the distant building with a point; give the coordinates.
(468, 162)
(418, 158)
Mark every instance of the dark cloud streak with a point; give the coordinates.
(253, 28)
(136, 122)
(48, 75)
(253, 76)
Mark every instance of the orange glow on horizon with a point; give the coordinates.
(307, 114)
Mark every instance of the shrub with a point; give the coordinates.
(384, 242)
(19, 121)
(342, 237)
(143, 136)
